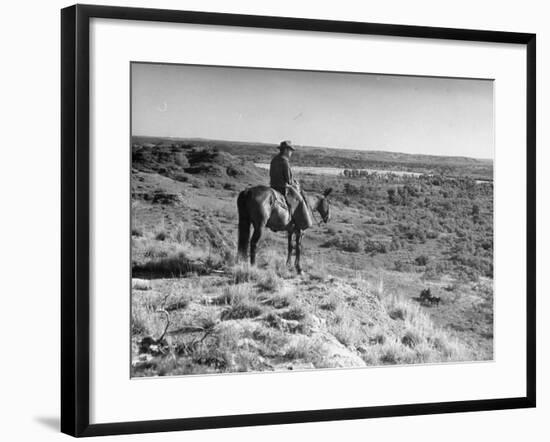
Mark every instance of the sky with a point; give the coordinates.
(421, 115)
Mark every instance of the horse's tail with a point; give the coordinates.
(244, 225)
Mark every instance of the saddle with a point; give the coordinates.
(294, 206)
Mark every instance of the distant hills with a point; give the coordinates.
(330, 157)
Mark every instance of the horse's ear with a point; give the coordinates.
(327, 192)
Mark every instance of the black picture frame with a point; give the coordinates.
(75, 225)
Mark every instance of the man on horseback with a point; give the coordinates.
(282, 181)
(281, 207)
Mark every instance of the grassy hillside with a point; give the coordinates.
(255, 319)
(194, 310)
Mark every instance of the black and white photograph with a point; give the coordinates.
(275, 221)
(297, 220)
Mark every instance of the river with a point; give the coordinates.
(339, 171)
(336, 171)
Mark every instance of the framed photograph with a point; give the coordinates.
(273, 220)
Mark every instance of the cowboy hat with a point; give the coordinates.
(287, 144)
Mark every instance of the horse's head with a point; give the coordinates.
(324, 207)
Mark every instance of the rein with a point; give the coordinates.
(315, 218)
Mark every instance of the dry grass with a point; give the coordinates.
(417, 340)
(253, 319)
(345, 328)
(241, 302)
(265, 279)
(244, 272)
(269, 281)
(306, 350)
(330, 303)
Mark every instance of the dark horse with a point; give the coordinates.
(261, 207)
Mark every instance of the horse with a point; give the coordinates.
(262, 206)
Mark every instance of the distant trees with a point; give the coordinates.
(356, 243)
(440, 225)
(402, 195)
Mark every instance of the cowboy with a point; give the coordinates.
(279, 170)
(281, 180)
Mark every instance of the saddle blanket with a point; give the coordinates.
(280, 199)
(296, 207)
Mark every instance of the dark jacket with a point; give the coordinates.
(279, 173)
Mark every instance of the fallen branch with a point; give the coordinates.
(167, 323)
(187, 329)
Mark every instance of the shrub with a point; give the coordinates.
(242, 310)
(244, 272)
(421, 260)
(400, 309)
(330, 304)
(347, 243)
(155, 250)
(394, 352)
(375, 247)
(295, 313)
(172, 265)
(347, 332)
(178, 304)
(179, 233)
(403, 265)
(411, 338)
(161, 235)
(139, 326)
(233, 295)
(277, 301)
(268, 281)
(240, 301)
(302, 348)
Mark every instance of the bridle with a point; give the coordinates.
(313, 214)
(309, 208)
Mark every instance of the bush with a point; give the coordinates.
(295, 313)
(242, 310)
(347, 243)
(242, 304)
(268, 281)
(421, 260)
(244, 272)
(375, 247)
(179, 233)
(161, 235)
(330, 304)
(402, 265)
(171, 266)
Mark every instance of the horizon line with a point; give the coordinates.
(316, 146)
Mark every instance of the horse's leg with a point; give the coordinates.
(299, 235)
(289, 255)
(254, 242)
